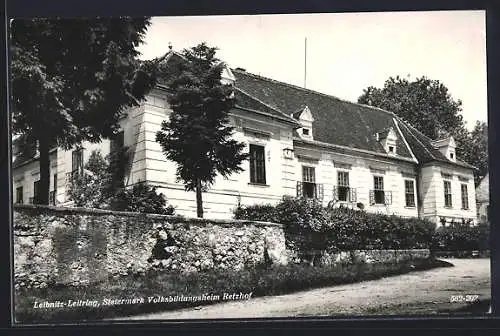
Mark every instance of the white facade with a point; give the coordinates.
(290, 162)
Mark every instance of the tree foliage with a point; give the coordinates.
(100, 186)
(73, 79)
(428, 106)
(197, 135)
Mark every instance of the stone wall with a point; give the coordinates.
(375, 256)
(80, 246)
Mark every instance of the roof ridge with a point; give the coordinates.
(410, 128)
(263, 103)
(309, 90)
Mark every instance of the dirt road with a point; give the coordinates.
(425, 292)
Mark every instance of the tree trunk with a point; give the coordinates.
(199, 200)
(44, 184)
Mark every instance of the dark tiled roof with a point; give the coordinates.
(422, 147)
(245, 101)
(336, 121)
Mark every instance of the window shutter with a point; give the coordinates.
(388, 198)
(372, 197)
(335, 193)
(352, 195)
(299, 189)
(320, 191)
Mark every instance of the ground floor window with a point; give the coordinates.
(409, 193)
(19, 195)
(465, 197)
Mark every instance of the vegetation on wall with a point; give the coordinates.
(101, 186)
(462, 236)
(312, 229)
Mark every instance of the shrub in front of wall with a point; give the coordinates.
(257, 212)
(461, 236)
(312, 229)
(141, 198)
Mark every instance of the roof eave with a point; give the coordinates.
(290, 121)
(334, 146)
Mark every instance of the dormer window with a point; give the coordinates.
(305, 118)
(447, 147)
(387, 138)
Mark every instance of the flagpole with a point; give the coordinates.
(305, 61)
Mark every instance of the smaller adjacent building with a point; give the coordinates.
(483, 198)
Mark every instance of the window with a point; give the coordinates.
(36, 191)
(309, 182)
(343, 185)
(257, 164)
(451, 155)
(378, 186)
(465, 197)
(305, 131)
(391, 149)
(77, 161)
(409, 193)
(19, 195)
(447, 194)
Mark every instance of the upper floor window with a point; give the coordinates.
(465, 197)
(305, 131)
(19, 195)
(409, 193)
(447, 194)
(257, 164)
(77, 161)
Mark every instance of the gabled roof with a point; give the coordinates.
(423, 148)
(343, 123)
(337, 122)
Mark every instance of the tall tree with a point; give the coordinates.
(427, 105)
(424, 103)
(475, 150)
(72, 79)
(198, 136)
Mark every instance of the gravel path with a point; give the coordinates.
(424, 292)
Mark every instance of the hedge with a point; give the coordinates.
(462, 236)
(311, 227)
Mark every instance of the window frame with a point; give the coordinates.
(378, 190)
(309, 181)
(465, 205)
(408, 193)
(19, 200)
(448, 194)
(343, 186)
(257, 164)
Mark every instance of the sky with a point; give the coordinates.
(346, 52)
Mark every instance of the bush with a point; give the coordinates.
(312, 229)
(101, 186)
(461, 236)
(141, 198)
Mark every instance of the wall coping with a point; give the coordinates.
(172, 218)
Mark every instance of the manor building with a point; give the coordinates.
(301, 143)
